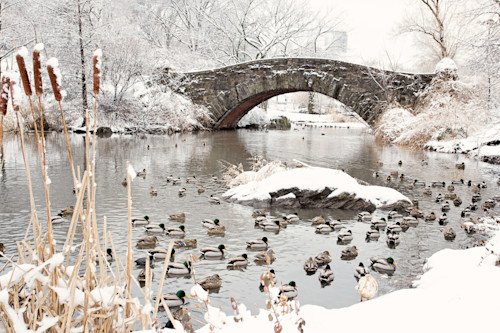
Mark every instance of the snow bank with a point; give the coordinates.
(311, 179)
(458, 292)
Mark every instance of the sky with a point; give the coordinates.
(371, 26)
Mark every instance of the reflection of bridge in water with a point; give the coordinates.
(230, 92)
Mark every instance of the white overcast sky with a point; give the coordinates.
(371, 26)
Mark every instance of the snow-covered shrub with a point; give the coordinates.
(256, 116)
(446, 69)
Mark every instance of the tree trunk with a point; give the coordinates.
(310, 103)
(82, 58)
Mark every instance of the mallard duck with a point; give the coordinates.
(443, 220)
(466, 212)
(176, 268)
(373, 233)
(430, 217)
(201, 190)
(271, 226)
(326, 275)
(489, 204)
(176, 181)
(394, 174)
(124, 182)
(238, 262)
(427, 191)
(153, 191)
(290, 290)
(415, 212)
(383, 265)
(394, 228)
(449, 234)
(310, 266)
(155, 229)
(460, 166)
(476, 197)
(337, 225)
(217, 230)
(142, 261)
(109, 256)
(258, 244)
(360, 271)
(259, 220)
(259, 212)
(262, 256)
(170, 178)
(210, 223)
(376, 174)
(417, 182)
(187, 243)
(380, 224)
(58, 220)
(394, 215)
(213, 252)
(2, 249)
(450, 196)
(211, 282)
(405, 225)
(388, 179)
(182, 192)
(438, 184)
(458, 182)
(141, 221)
(424, 162)
(367, 287)
(141, 173)
(345, 236)
(68, 211)
(392, 239)
(174, 300)
(142, 276)
(270, 276)
(191, 180)
(450, 188)
(161, 253)
(445, 206)
(402, 177)
(180, 231)
(180, 217)
(147, 242)
(324, 228)
(349, 253)
(292, 218)
(214, 200)
(400, 163)
(323, 258)
(318, 220)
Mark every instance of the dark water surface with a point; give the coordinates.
(199, 154)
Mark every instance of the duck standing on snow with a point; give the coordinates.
(367, 287)
(326, 275)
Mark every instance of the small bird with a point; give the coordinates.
(367, 287)
(258, 244)
(214, 200)
(238, 262)
(141, 221)
(211, 282)
(326, 275)
(310, 266)
(460, 166)
(400, 163)
(124, 182)
(201, 190)
(181, 217)
(290, 290)
(213, 252)
(360, 271)
(182, 192)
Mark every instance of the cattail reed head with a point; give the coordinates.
(21, 54)
(55, 77)
(15, 94)
(97, 70)
(37, 69)
(4, 94)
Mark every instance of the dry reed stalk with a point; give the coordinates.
(130, 255)
(158, 295)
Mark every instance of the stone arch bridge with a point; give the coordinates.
(230, 92)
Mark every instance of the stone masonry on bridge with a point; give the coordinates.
(230, 92)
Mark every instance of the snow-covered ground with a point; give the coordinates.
(458, 292)
(258, 185)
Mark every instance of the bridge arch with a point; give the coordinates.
(230, 92)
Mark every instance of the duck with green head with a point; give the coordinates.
(213, 252)
(180, 231)
(155, 229)
(383, 265)
(161, 253)
(238, 262)
(210, 223)
(174, 299)
(289, 290)
(141, 221)
(175, 268)
(258, 244)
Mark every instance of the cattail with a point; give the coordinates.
(21, 54)
(97, 70)
(55, 77)
(15, 93)
(37, 69)
(4, 94)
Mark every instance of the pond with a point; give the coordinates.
(200, 154)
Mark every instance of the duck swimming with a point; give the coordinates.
(271, 226)
(181, 217)
(147, 242)
(161, 253)
(449, 234)
(174, 300)
(210, 223)
(326, 275)
(364, 216)
(310, 266)
(261, 257)
(318, 220)
(155, 229)
(392, 239)
(259, 212)
(213, 252)
(417, 182)
(383, 265)
(214, 200)
(323, 258)
(372, 234)
(141, 221)
(258, 244)
(238, 262)
(211, 282)
(175, 268)
(292, 218)
(182, 192)
(217, 231)
(187, 243)
(141, 173)
(290, 290)
(349, 253)
(142, 276)
(380, 224)
(430, 217)
(443, 220)
(142, 261)
(324, 228)
(176, 232)
(394, 228)
(360, 271)
(345, 236)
